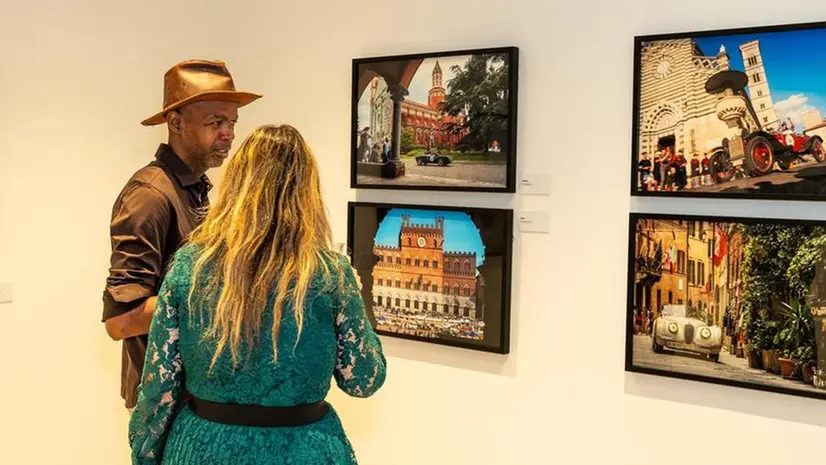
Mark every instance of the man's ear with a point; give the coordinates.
(173, 119)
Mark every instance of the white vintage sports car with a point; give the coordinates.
(677, 329)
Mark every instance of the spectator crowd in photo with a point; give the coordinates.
(670, 171)
(429, 324)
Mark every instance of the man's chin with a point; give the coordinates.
(217, 158)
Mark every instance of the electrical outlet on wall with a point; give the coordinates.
(5, 293)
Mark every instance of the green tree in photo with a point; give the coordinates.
(801, 271)
(778, 269)
(769, 253)
(479, 89)
(406, 142)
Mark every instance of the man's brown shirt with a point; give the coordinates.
(151, 218)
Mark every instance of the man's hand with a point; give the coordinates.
(133, 323)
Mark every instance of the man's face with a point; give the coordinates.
(207, 130)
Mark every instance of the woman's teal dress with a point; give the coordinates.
(337, 342)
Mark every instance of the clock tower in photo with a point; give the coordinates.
(422, 244)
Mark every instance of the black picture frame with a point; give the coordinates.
(403, 73)
(498, 226)
(650, 125)
(641, 293)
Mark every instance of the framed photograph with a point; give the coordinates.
(733, 301)
(435, 121)
(731, 114)
(435, 274)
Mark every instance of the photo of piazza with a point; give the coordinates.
(426, 280)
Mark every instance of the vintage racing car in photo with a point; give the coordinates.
(756, 153)
(753, 150)
(433, 159)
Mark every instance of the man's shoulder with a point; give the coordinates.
(152, 175)
(150, 180)
(148, 189)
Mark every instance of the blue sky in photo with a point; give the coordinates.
(795, 65)
(461, 233)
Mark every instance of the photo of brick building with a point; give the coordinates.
(441, 121)
(425, 121)
(421, 285)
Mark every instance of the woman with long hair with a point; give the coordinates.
(255, 317)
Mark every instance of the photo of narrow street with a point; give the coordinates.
(725, 300)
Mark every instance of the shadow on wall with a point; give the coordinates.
(751, 402)
(453, 357)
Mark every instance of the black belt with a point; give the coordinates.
(259, 415)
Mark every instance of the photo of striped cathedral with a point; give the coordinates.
(420, 286)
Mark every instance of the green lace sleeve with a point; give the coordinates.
(360, 366)
(159, 393)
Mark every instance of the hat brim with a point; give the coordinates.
(241, 98)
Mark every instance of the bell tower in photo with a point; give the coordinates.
(437, 91)
(759, 84)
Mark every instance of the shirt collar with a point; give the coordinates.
(183, 174)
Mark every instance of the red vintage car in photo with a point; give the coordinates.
(756, 153)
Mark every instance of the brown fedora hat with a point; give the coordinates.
(195, 81)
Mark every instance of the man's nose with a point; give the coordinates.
(227, 133)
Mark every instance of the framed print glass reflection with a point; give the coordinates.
(731, 113)
(733, 301)
(435, 121)
(440, 275)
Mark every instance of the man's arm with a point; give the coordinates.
(133, 323)
(138, 233)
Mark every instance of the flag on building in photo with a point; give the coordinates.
(720, 244)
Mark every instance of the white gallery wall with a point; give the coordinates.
(76, 78)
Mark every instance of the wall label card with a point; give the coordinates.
(536, 221)
(535, 184)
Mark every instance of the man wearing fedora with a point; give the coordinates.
(159, 205)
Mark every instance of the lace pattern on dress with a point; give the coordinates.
(361, 367)
(160, 389)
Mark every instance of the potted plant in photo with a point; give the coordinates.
(796, 331)
(805, 361)
(768, 332)
(751, 344)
